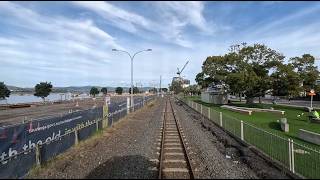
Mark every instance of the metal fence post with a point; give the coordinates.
(242, 135)
(209, 113)
(220, 119)
(38, 155)
(128, 105)
(292, 156)
(289, 148)
(76, 138)
(201, 108)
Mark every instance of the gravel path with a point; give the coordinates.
(125, 151)
(217, 154)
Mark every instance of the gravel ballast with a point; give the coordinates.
(130, 149)
(217, 154)
(126, 150)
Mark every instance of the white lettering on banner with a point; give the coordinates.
(3, 155)
(116, 112)
(29, 145)
(54, 124)
(80, 126)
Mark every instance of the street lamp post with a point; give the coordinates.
(131, 57)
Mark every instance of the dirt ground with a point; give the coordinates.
(18, 115)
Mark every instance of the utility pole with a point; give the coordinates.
(160, 91)
(131, 57)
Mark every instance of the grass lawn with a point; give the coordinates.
(307, 164)
(268, 121)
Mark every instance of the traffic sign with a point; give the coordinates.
(311, 93)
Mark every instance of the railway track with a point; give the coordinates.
(174, 160)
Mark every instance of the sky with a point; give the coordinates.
(70, 43)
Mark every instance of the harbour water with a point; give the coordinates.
(28, 98)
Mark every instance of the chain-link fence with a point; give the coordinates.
(297, 158)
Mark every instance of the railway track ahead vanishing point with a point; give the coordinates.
(174, 159)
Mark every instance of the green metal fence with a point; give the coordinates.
(297, 158)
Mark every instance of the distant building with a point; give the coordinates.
(185, 82)
(216, 93)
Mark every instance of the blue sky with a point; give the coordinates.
(69, 43)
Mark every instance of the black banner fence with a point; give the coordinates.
(28, 144)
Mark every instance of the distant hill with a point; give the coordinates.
(74, 89)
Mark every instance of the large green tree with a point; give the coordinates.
(94, 91)
(257, 61)
(216, 67)
(203, 81)
(236, 82)
(119, 90)
(43, 89)
(285, 81)
(245, 69)
(4, 91)
(307, 70)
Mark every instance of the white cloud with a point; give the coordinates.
(119, 17)
(173, 17)
(187, 12)
(54, 43)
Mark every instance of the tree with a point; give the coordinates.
(94, 91)
(43, 89)
(176, 87)
(4, 91)
(192, 90)
(119, 90)
(257, 60)
(135, 90)
(104, 90)
(215, 67)
(306, 69)
(285, 81)
(236, 82)
(203, 81)
(245, 69)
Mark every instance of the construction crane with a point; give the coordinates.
(179, 72)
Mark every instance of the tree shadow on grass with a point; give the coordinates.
(275, 126)
(125, 167)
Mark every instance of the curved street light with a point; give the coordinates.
(131, 57)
